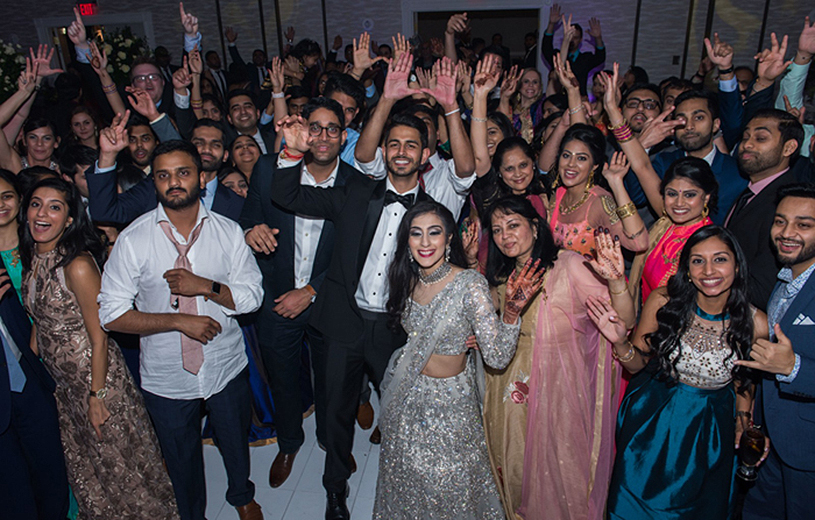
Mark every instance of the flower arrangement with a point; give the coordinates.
(122, 48)
(12, 63)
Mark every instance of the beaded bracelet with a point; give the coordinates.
(479, 119)
(291, 156)
(109, 89)
(573, 111)
(626, 210)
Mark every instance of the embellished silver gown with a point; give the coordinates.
(433, 462)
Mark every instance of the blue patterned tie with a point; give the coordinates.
(15, 371)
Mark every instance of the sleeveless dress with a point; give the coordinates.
(121, 476)
(433, 461)
(675, 441)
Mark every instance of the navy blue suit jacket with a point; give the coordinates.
(278, 267)
(106, 205)
(789, 408)
(16, 321)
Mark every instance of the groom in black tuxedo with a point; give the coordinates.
(350, 308)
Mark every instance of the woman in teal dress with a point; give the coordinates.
(686, 404)
(9, 209)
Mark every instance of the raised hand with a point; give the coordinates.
(771, 63)
(608, 259)
(422, 78)
(465, 74)
(606, 320)
(554, 15)
(396, 82)
(337, 43)
(181, 78)
(616, 168)
(289, 34)
(76, 31)
(114, 138)
(189, 21)
(657, 129)
(231, 34)
(806, 41)
(292, 66)
(521, 288)
(362, 53)
(99, 59)
(510, 83)
(295, 132)
(719, 52)
(568, 32)
(486, 75)
(457, 23)
(27, 82)
(43, 61)
(471, 237)
(276, 75)
(400, 46)
(565, 74)
(594, 29)
(445, 89)
(142, 103)
(798, 113)
(194, 62)
(611, 96)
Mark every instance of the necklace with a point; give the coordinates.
(437, 275)
(573, 207)
(711, 317)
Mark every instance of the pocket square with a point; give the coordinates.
(803, 320)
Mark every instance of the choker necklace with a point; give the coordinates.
(437, 275)
(711, 317)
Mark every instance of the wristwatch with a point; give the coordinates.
(100, 394)
(216, 288)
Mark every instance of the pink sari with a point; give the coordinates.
(661, 263)
(572, 401)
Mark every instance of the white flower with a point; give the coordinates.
(108, 48)
(125, 68)
(128, 42)
(109, 68)
(9, 50)
(20, 60)
(121, 55)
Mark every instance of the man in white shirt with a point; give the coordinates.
(243, 114)
(350, 308)
(178, 276)
(446, 181)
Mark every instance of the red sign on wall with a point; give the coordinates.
(87, 8)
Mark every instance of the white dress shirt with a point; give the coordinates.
(440, 182)
(259, 140)
(372, 291)
(133, 278)
(307, 230)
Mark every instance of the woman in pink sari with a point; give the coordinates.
(689, 192)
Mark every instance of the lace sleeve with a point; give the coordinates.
(496, 340)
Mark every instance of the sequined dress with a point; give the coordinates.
(433, 462)
(675, 442)
(121, 476)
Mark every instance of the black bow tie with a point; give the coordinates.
(404, 200)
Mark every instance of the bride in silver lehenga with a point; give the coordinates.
(433, 461)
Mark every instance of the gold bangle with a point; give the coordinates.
(625, 290)
(612, 127)
(628, 355)
(627, 210)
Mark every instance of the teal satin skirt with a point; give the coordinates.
(675, 453)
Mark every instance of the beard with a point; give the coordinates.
(180, 203)
(398, 172)
(759, 163)
(212, 165)
(694, 142)
(807, 253)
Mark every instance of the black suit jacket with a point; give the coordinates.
(267, 133)
(355, 210)
(278, 267)
(106, 205)
(19, 328)
(751, 226)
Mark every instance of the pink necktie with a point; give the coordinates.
(192, 352)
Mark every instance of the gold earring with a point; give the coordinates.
(705, 211)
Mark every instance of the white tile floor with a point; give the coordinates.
(302, 496)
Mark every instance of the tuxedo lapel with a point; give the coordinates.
(372, 214)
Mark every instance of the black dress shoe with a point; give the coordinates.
(335, 508)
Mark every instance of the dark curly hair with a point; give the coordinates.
(404, 274)
(674, 318)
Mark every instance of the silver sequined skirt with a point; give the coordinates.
(433, 463)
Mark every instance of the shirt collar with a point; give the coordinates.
(573, 55)
(211, 186)
(709, 157)
(161, 216)
(328, 180)
(389, 186)
(756, 187)
(793, 286)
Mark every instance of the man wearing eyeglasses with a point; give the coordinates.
(293, 252)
